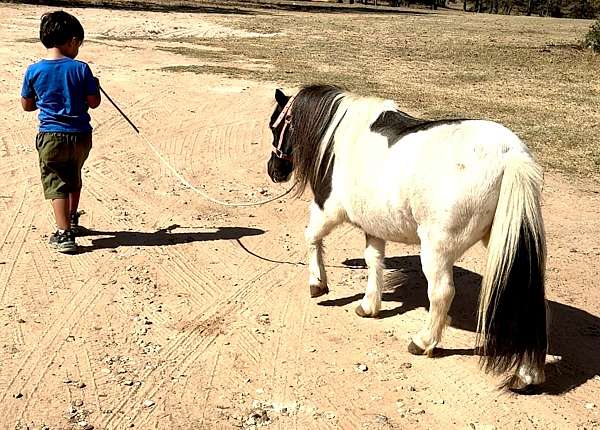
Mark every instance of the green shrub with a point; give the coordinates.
(592, 39)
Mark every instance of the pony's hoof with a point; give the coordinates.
(527, 390)
(414, 349)
(526, 380)
(361, 312)
(318, 291)
(518, 386)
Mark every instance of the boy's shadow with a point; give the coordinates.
(574, 334)
(161, 237)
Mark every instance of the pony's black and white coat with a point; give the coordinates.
(444, 184)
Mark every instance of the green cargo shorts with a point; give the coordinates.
(61, 157)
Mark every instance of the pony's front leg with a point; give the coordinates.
(319, 226)
(374, 255)
(437, 267)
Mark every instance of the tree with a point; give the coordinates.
(592, 39)
(530, 5)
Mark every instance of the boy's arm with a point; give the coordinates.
(28, 104)
(93, 98)
(94, 101)
(28, 93)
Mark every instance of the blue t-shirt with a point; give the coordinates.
(60, 88)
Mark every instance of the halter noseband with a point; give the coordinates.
(286, 117)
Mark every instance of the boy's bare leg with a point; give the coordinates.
(74, 201)
(61, 213)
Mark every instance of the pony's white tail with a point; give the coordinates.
(512, 306)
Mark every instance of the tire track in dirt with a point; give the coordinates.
(355, 403)
(194, 343)
(18, 337)
(246, 342)
(225, 155)
(194, 348)
(54, 281)
(9, 154)
(194, 295)
(290, 332)
(38, 360)
(36, 284)
(201, 342)
(25, 142)
(17, 242)
(191, 359)
(92, 375)
(76, 305)
(282, 356)
(210, 386)
(137, 110)
(32, 399)
(108, 177)
(113, 172)
(109, 194)
(16, 214)
(217, 141)
(256, 300)
(294, 335)
(106, 302)
(177, 152)
(234, 301)
(193, 275)
(246, 338)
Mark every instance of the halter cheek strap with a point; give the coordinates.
(286, 117)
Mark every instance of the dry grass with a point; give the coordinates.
(528, 73)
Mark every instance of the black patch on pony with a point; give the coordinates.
(521, 338)
(321, 184)
(395, 124)
(312, 112)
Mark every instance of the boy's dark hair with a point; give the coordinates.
(58, 27)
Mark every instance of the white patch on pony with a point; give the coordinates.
(374, 253)
(320, 224)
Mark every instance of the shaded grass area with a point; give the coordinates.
(244, 7)
(527, 73)
(204, 54)
(148, 5)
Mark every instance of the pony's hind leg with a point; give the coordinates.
(374, 255)
(319, 226)
(437, 267)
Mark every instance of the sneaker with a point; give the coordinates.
(63, 242)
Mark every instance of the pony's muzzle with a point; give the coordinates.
(279, 170)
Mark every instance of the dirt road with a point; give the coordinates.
(181, 314)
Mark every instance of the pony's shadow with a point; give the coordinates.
(574, 334)
(162, 237)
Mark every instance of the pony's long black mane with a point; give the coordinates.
(314, 108)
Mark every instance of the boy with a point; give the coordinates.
(63, 89)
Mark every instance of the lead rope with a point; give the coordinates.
(179, 176)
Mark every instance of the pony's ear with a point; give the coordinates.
(281, 98)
